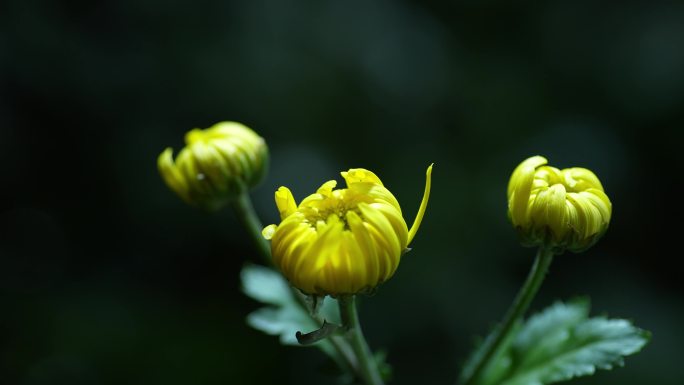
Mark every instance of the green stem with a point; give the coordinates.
(349, 361)
(515, 312)
(249, 218)
(245, 211)
(368, 368)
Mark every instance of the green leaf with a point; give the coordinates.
(265, 285)
(285, 314)
(562, 343)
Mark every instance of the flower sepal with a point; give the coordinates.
(326, 330)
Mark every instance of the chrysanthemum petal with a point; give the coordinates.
(285, 202)
(423, 205)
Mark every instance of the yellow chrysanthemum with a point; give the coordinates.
(567, 208)
(342, 241)
(216, 165)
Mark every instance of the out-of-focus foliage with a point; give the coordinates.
(285, 316)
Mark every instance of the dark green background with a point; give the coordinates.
(106, 277)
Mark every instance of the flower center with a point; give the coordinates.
(338, 203)
(572, 180)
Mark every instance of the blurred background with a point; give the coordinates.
(106, 277)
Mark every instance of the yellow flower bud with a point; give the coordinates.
(216, 164)
(565, 209)
(344, 241)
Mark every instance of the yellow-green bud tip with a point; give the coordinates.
(195, 135)
(216, 165)
(564, 209)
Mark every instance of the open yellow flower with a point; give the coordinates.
(216, 164)
(344, 241)
(566, 209)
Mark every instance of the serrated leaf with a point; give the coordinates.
(561, 343)
(285, 315)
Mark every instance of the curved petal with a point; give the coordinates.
(285, 202)
(423, 205)
(360, 175)
(520, 187)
